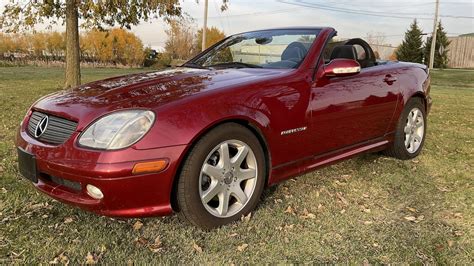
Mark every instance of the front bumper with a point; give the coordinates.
(125, 194)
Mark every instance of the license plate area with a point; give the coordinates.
(27, 165)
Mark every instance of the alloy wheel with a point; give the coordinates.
(414, 130)
(228, 178)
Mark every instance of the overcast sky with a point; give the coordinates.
(351, 18)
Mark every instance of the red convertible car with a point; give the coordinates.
(206, 138)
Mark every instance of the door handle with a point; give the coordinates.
(389, 79)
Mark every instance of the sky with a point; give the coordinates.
(351, 18)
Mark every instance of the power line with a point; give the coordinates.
(368, 13)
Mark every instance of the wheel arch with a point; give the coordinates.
(421, 96)
(247, 123)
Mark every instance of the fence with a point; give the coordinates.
(461, 52)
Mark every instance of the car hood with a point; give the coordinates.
(145, 90)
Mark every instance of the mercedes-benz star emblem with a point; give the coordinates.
(41, 126)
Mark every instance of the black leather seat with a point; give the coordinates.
(344, 51)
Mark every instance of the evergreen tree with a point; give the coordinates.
(411, 49)
(441, 48)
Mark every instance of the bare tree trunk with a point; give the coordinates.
(73, 71)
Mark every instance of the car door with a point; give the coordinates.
(347, 111)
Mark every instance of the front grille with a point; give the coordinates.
(57, 131)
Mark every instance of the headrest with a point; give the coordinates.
(344, 51)
(295, 51)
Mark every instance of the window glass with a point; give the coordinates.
(263, 49)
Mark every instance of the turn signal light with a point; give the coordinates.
(149, 167)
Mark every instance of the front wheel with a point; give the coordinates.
(411, 131)
(222, 178)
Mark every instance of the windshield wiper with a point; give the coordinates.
(235, 65)
(194, 65)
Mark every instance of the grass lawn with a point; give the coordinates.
(369, 209)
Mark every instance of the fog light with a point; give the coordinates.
(94, 192)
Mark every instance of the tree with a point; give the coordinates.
(22, 14)
(441, 48)
(213, 35)
(411, 49)
(181, 39)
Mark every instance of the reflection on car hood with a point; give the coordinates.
(145, 90)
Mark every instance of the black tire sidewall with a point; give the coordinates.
(189, 200)
(400, 134)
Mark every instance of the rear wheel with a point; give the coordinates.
(411, 131)
(222, 177)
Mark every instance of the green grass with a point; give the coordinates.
(360, 207)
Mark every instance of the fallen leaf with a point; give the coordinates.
(368, 222)
(341, 198)
(68, 220)
(289, 226)
(233, 235)
(366, 210)
(410, 218)
(286, 240)
(342, 211)
(141, 241)
(443, 189)
(1, 169)
(246, 218)
(450, 243)
(411, 209)
(242, 247)
(458, 215)
(365, 195)
(137, 225)
(156, 246)
(420, 218)
(90, 258)
(307, 214)
(458, 233)
(290, 210)
(197, 248)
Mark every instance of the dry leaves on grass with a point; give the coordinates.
(60, 259)
(242, 247)
(91, 258)
(246, 218)
(68, 220)
(156, 245)
(307, 215)
(137, 225)
(197, 248)
(341, 198)
(415, 219)
(290, 210)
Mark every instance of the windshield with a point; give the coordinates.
(283, 49)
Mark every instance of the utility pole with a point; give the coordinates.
(204, 29)
(433, 38)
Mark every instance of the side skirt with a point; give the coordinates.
(308, 164)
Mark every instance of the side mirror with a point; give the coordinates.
(340, 67)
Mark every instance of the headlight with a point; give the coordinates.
(117, 130)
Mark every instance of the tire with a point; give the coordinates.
(405, 131)
(207, 178)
